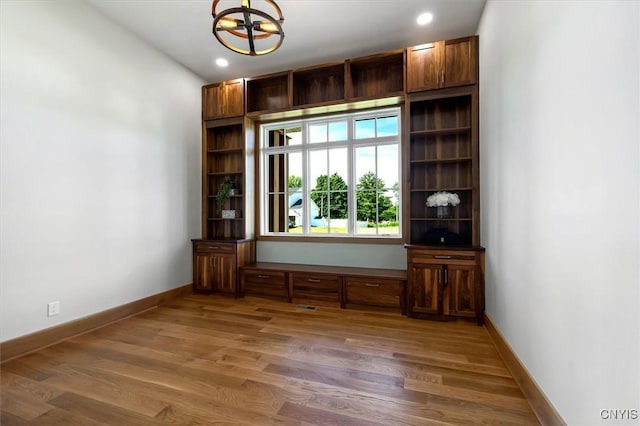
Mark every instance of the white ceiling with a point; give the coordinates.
(316, 31)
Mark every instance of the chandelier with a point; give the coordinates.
(246, 24)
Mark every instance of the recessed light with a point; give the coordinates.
(221, 62)
(424, 18)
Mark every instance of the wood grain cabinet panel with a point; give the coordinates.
(442, 64)
(215, 264)
(464, 297)
(445, 284)
(375, 292)
(425, 290)
(264, 283)
(223, 100)
(317, 287)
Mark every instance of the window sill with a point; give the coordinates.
(335, 239)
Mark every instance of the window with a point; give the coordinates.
(332, 176)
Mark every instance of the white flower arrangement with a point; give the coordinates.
(440, 199)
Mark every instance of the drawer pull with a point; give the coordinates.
(372, 285)
(313, 280)
(442, 257)
(264, 277)
(213, 247)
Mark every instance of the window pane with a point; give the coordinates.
(283, 171)
(389, 173)
(277, 212)
(338, 131)
(387, 126)
(295, 213)
(329, 194)
(377, 190)
(294, 135)
(365, 128)
(284, 137)
(318, 133)
(338, 198)
(275, 138)
(365, 161)
(388, 164)
(294, 171)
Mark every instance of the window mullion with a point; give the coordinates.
(351, 198)
(306, 196)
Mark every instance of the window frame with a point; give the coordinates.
(304, 149)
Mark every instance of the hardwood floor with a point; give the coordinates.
(203, 360)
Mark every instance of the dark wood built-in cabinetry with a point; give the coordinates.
(227, 154)
(353, 81)
(223, 100)
(442, 64)
(445, 283)
(438, 85)
(333, 285)
(445, 264)
(443, 156)
(215, 264)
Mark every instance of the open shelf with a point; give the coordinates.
(319, 85)
(377, 76)
(268, 93)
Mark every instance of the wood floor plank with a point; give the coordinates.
(321, 417)
(108, 413)
(208, 359)
(17, 404)
(57, 417)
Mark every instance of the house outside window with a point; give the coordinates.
(333, 176)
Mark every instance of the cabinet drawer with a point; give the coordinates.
(214, 247)
(443, 257)
(319, 287)
(268, 283)
(375, 292)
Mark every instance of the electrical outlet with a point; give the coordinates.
(53, 308)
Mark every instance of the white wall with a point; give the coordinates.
(360, 255)
(560, 176)
(100, 165)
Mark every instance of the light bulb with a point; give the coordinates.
(227, 23)
(268, 27)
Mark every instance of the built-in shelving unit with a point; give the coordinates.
(443, 156)
(225, 156)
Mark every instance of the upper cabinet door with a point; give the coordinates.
(442, 64)
(425, 67)
(223, 100)
(460, 62)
